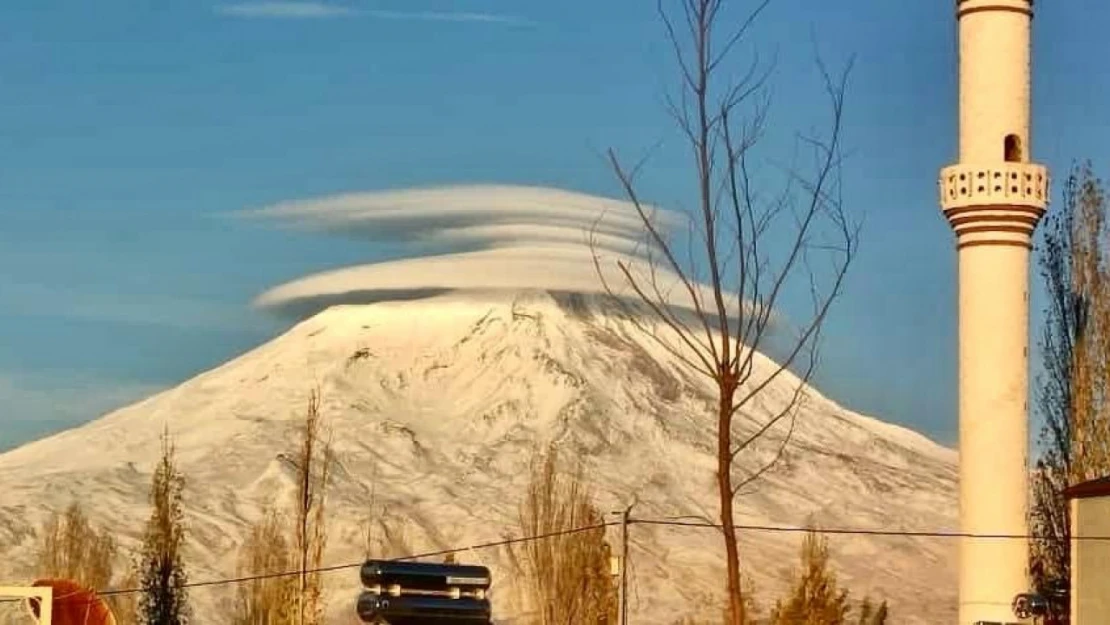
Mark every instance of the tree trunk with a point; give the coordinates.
(728, 524)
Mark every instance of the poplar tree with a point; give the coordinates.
(1072, 390)
(164, 599)
(313, 470)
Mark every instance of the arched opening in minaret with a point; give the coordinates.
(1012, 149)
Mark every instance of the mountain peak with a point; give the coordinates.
(438, 405)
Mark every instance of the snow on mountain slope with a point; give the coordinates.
(437, 408)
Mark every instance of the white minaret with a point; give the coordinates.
(993, 199)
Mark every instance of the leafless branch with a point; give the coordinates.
(730, 223)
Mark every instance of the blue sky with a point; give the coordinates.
(127, 134)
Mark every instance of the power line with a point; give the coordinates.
(859, 532)
(630, 521)
(339, 567)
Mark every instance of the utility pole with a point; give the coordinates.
(626, 520)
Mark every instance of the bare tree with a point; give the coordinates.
(388, 535)
(313, 466)
(71, 548)
(386, 532)
(1073, 390)
(740, 265)
(566, 575)
(268, 599)
(276, 545)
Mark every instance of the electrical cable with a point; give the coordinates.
(857, 532)
(339, 567)
(631, 521)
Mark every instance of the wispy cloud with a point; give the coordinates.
(439, 16)
(284, 10)
(319, 10)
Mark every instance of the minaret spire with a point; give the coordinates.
(993, 198)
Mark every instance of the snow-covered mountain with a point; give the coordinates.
(438, 406)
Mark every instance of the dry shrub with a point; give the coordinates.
(871, 615)
(566, 577)
(266, 551)
(387, 536)
(70, 548)
(125, 607)
(387, 533)
(710, 610)
(816, 598)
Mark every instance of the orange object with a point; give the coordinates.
(74, 604)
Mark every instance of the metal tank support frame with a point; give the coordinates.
(44, 594)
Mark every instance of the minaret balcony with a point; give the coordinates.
(997, 184)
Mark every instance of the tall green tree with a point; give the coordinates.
(164, 600)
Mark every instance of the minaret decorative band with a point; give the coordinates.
(1022, 184)
(967, 7)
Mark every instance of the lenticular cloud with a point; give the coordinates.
(494, 238)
